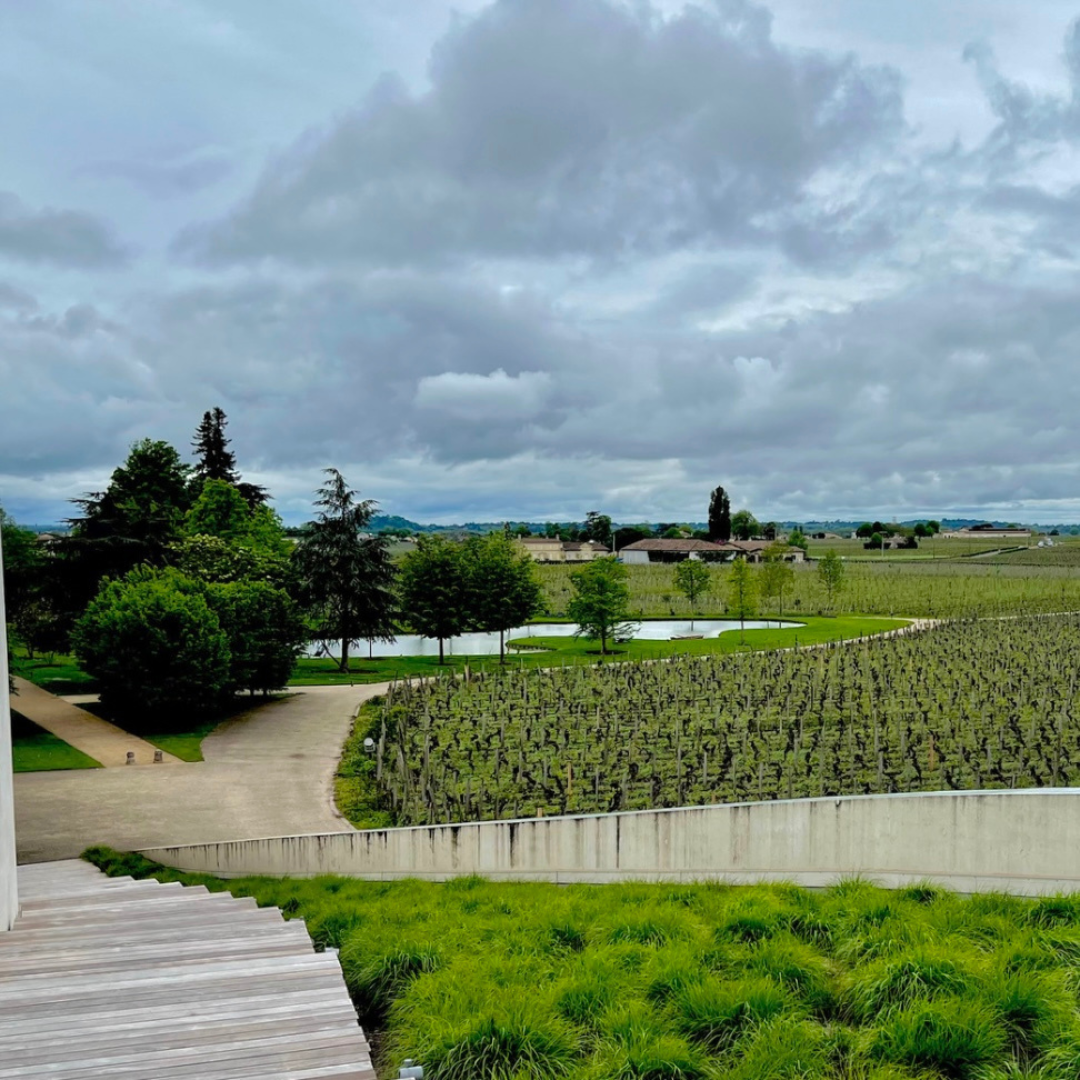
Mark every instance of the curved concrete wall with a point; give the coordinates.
(1025, 842)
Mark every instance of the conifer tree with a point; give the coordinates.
(719, 516)
(215, 461)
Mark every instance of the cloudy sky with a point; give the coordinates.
(533, 257)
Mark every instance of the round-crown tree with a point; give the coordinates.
(154, 645)
(433, 590)
(601, 601)
(502, 586)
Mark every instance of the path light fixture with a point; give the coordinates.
(409, 1070)
(369, 746)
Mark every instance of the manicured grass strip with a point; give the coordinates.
(356, 793)
(816, 631)
(58, 674)
(186, 745)
(34, 749)
(505, 981)
(559, 651)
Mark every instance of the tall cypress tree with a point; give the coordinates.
(719, 516)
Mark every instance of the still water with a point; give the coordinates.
(488, 644)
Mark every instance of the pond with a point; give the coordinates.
(487, 644)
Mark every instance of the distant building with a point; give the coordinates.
(668, 551)
(986, 531)
(553, 550)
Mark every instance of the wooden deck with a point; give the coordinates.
(137, 979)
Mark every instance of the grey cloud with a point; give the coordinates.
(1026, 116)
(172, 176)
(568, 127)
(67, 238)
(15, 299)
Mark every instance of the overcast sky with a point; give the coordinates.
(530, 258)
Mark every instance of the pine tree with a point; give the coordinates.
(215, 461)
(346, 576)
(719, 517)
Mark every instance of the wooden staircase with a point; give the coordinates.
(139, 980)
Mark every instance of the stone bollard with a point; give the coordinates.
(158, 759)
(130, 758)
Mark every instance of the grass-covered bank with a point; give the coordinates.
(33, 749)
(679, 982)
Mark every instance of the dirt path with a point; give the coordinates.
(268, 772)
(104, 742)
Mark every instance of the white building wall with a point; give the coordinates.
(1026, 842)
(9, 893)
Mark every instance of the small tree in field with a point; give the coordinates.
(777, 574)
(831, 574)
(742, 594)
(502, 587)
(601, 601)
(694, 580)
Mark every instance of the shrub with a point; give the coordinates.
(716, 1013)
(897, 982)
(154, 646)
(957, 1038)
(514, 1044)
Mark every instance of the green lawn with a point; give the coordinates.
(558, 651)
(56, 673)
(34, 749)
(679, 981)
(182, 741)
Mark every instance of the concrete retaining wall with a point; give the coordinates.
(9, 891)
(1026, 842)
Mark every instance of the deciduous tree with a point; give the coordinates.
(777, 574)
(831, 574)
(154, 645)
(742, 593)
(601, 601)
(433, 590)
(693, 579)
(744, 526)
(501, 585)
(265, 631)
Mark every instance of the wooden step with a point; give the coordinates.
(147, 981)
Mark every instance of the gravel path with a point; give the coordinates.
(268, 772)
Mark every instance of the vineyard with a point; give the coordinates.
(977, 704)
(1026, 582)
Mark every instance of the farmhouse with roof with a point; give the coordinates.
(658, 550)
(553, 550)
